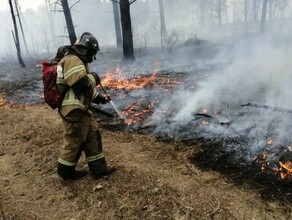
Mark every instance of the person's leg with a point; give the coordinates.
(75, 134)
(94, 153)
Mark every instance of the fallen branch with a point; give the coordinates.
(277, 109)
(226, 124)
(216, 208)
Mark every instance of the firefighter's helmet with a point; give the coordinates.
(89, 41)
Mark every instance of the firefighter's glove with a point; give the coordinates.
(96, 77)
(100, 99)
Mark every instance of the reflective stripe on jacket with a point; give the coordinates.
(71, 69)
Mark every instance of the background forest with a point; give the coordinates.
(45, 29)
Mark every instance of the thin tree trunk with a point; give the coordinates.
(128, 47)
(225, 12)
(163, 32)
(21, 27)
(264, 15)
(51, 22)
(255, 10)
(69, 21)
(15, 36)
(117, 24)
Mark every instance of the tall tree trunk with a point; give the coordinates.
(69, 22)
(255, 10)
(128, 47)
(51, 22)
(117, 24)
(15, 36)
(264, 15)
(225, 12)
(21, 28)
(163, 32)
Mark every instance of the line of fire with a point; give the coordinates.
(230, 139)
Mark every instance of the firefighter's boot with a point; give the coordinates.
(98, 168)
(69, 172)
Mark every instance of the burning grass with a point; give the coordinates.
(229, 152)
(271, 179)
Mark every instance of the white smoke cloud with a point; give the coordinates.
(258, 72)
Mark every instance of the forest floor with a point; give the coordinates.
(155, 180)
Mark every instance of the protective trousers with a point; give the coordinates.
(81, 134)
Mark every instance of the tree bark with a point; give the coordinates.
(51, 22)
(69, 21)
(117, 24)
(255, 10)
(264, 15)
(21, 27)
(163, 32)
(128, 48)
(15, 37)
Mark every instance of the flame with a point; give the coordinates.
(205, 110)
(2, 102)
(285, 169)
(205, 122)
(135, 114)
(261, 159)
(114, 81)
(270, 142)
(14, 105)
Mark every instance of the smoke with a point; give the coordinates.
(264, 74)
(256, 70)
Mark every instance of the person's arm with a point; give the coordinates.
(87, 83)
(75, 76)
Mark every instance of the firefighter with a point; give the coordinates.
(81, 132)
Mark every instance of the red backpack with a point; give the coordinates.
(52, 95)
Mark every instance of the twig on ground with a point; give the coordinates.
(216, 208)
